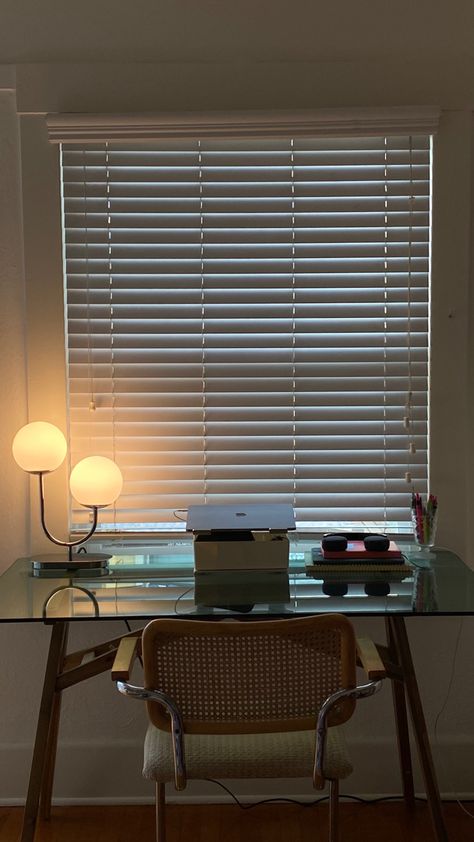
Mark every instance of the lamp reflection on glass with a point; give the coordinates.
(95, 482)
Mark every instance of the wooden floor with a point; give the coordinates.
(216, 823)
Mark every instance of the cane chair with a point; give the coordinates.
(248, 700)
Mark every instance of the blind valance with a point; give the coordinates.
(337, 122)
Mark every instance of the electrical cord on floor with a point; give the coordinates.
(265, 800)
(284, 800)
(464, 809)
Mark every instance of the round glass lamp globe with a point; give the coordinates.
(39, 447)
(96, 481)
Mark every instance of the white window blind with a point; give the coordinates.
(249, 319)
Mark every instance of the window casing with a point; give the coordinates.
(249, 319)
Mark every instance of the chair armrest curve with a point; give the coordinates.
(360, 692)
(177, 728)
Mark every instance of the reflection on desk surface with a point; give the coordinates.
(162, 583)
(192, 596)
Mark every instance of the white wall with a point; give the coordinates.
(101, 733)
(222, 30)
(13, 403)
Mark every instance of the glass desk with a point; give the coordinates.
(157, 580)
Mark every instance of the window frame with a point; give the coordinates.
(449, 312)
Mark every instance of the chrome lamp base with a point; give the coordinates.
(61, 561)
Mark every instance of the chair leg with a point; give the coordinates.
(334, 811)
(160, 812)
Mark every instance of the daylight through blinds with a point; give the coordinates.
(247, 321)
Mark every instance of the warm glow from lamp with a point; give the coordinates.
(39, 447)
(96, 481)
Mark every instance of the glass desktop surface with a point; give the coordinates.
(156, 579)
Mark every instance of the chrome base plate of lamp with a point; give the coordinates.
(53, 562)
(95, 482)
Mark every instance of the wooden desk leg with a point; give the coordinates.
(52, 747)
(419, 728)
(45, 729)
(50, 760)
(401, 721)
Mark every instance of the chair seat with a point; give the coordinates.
(281, 755)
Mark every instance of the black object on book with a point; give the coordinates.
(359, 560)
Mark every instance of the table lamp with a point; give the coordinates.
(95, 482)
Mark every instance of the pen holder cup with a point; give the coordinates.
(424, 528)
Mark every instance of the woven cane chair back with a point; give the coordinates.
(249, 677)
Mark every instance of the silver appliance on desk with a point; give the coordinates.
(252, 537)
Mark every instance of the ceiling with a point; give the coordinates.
(242, 30)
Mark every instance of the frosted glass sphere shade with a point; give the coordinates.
(39, 447)
(96, 482)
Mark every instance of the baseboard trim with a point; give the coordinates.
(142, 800)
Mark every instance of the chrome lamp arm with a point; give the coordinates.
(177, 729)
(68, 544)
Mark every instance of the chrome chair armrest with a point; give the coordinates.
(360, 692)
(177, 730)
